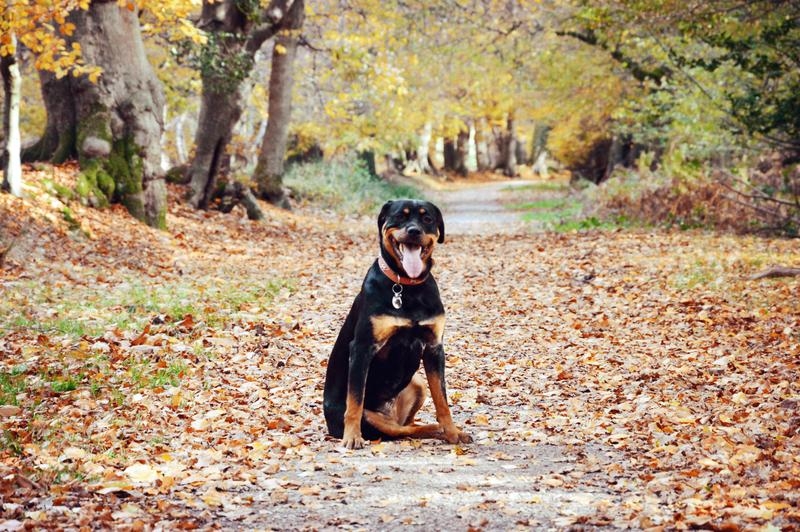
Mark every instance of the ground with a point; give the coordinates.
(632, 378)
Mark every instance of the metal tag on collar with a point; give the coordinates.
(397, 300)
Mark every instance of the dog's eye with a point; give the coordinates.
(427, 219)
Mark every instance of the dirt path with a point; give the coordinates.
(480, 208)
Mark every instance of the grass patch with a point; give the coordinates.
(544, 204)
(701, 274)
(544, 186)
(78, 312)
(549, 211)
(344, 186)
(146, 373)
(12, 383)
(66, 384)
(591, 223)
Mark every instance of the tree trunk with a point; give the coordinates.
(423, 164)
(114, 126)
(12, 170)
(494, 144)
(541, 132)
(235, 37)
(449, 153)
(120, 119)
(57, 143)
(462, 149)
(481, 147)
(268, 174)
(219, 112)
(508, 149)
(433, 150)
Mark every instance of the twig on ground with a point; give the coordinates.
(776, 271)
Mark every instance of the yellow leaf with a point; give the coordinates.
(280, 49)
(141, 473)
(212, 497)
(480, 419)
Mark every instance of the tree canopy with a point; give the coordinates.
(691, 81)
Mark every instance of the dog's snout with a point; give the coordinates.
(414, 231)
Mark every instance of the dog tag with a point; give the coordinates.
(397, 300)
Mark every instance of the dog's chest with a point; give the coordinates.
(386, 327)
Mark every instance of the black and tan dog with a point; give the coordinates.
(397, 320)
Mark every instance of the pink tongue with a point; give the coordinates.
(412, 260)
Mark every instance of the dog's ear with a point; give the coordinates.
(439, 222)
(382, 216)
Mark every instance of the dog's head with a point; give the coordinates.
(408, 231)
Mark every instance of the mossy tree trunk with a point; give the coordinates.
(114, 126)
(268, 174)
(236, 31)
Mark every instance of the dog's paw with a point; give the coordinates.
(457, 436)
(353, 442)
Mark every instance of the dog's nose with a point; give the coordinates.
(414, 231)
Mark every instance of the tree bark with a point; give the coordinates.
(12, 170)
(120, 119)
(268, 174)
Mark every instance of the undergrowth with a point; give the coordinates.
(762, 200)
(343, 185)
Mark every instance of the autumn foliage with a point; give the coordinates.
(625, 379)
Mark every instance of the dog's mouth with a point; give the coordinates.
(412, 257)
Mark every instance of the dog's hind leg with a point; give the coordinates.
(410, 400)
(390, 427)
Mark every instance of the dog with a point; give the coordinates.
(372, 389)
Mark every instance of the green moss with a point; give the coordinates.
(177, 175)
(117, 177)
(69, 217)
(161, 220)
(97, 124)
(94, 186)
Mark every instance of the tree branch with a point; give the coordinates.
(637, 70)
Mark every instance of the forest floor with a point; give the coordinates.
(632, 378)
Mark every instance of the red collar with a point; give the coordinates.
(399, 279)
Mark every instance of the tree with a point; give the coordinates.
(269, 171)
(111, 122)
(236, 31)
(12, 171)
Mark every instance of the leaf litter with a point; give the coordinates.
(174, 379)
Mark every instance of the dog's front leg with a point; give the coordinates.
(433, 360)
(360, 358)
